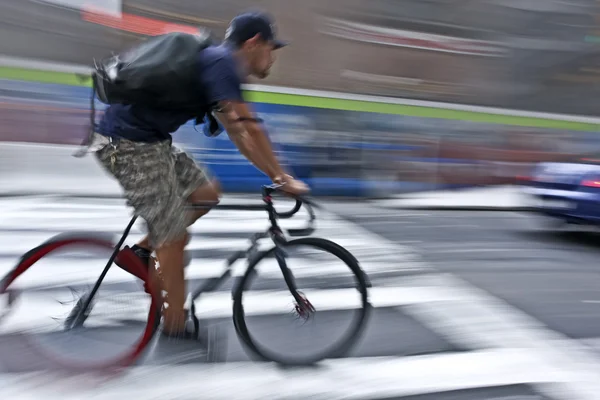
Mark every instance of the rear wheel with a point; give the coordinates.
(335, 302)
(46, 290)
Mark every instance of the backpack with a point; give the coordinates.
(161, 72)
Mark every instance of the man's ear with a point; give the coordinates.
(253, 41)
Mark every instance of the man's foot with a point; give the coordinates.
(144, 255)
(212, 340)
(127, 254)
(191, 330)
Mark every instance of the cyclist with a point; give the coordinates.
(134, 144)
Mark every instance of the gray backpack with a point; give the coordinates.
(161, 72)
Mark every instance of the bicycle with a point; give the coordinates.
(303, 307)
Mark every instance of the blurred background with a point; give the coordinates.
(394, 102)
(439, 81)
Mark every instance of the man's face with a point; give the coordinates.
(260, 56)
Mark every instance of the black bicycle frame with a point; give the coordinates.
(274, 232)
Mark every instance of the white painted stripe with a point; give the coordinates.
(485, 320)
(60, 272)
(56, 271)
(347, 379)
(110, 203)
(20, 242)
(63, 272)
(124, 215)
(9, 208)
(102, 224)
(34, 310)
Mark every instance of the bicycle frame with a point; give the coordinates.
(274, 232)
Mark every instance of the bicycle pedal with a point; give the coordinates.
(189, 306)
(191, 325)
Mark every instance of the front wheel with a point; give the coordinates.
(330, 283)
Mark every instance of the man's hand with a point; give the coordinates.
(291, 185)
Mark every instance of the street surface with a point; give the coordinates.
(482, 305)
(550, 272)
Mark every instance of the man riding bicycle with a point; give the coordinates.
(134, 144)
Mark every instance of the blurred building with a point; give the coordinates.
(528, 54)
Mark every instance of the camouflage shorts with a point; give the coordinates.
(157, 179)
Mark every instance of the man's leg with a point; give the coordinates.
(208, 193)
(172, 280)
(147, 172)
(195, 187)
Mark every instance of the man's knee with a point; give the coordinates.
(209, 194)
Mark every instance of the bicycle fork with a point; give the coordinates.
(303, 307)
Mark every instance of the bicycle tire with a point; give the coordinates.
(60, 241)
(343, 345)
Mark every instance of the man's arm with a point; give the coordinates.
(249, 137)
(222, 86)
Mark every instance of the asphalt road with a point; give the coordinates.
(408, 350)
(550, 272)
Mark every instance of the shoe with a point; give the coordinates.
(191, 330)
(127, 256)
(144, 256)
(213, 340)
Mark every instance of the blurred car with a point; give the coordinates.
(568, 191)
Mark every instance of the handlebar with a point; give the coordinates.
(267, 191)
(292, 212)
(311, 221)
(300, 201)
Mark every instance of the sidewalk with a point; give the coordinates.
(481, 198)
(29, 169)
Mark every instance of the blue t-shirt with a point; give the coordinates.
(218, 74)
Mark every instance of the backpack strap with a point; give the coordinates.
(250, 119)
(87, 141)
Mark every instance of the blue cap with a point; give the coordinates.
(246, 26)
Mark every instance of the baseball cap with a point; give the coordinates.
(246, 26)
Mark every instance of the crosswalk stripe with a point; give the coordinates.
(373, 255)
(205, 227)
(29, 309)
(24, 241)
(347, 379)
(66, 271)
(218, 233)
(112, 225)
(124, 215)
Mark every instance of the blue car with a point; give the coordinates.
(567, 191)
